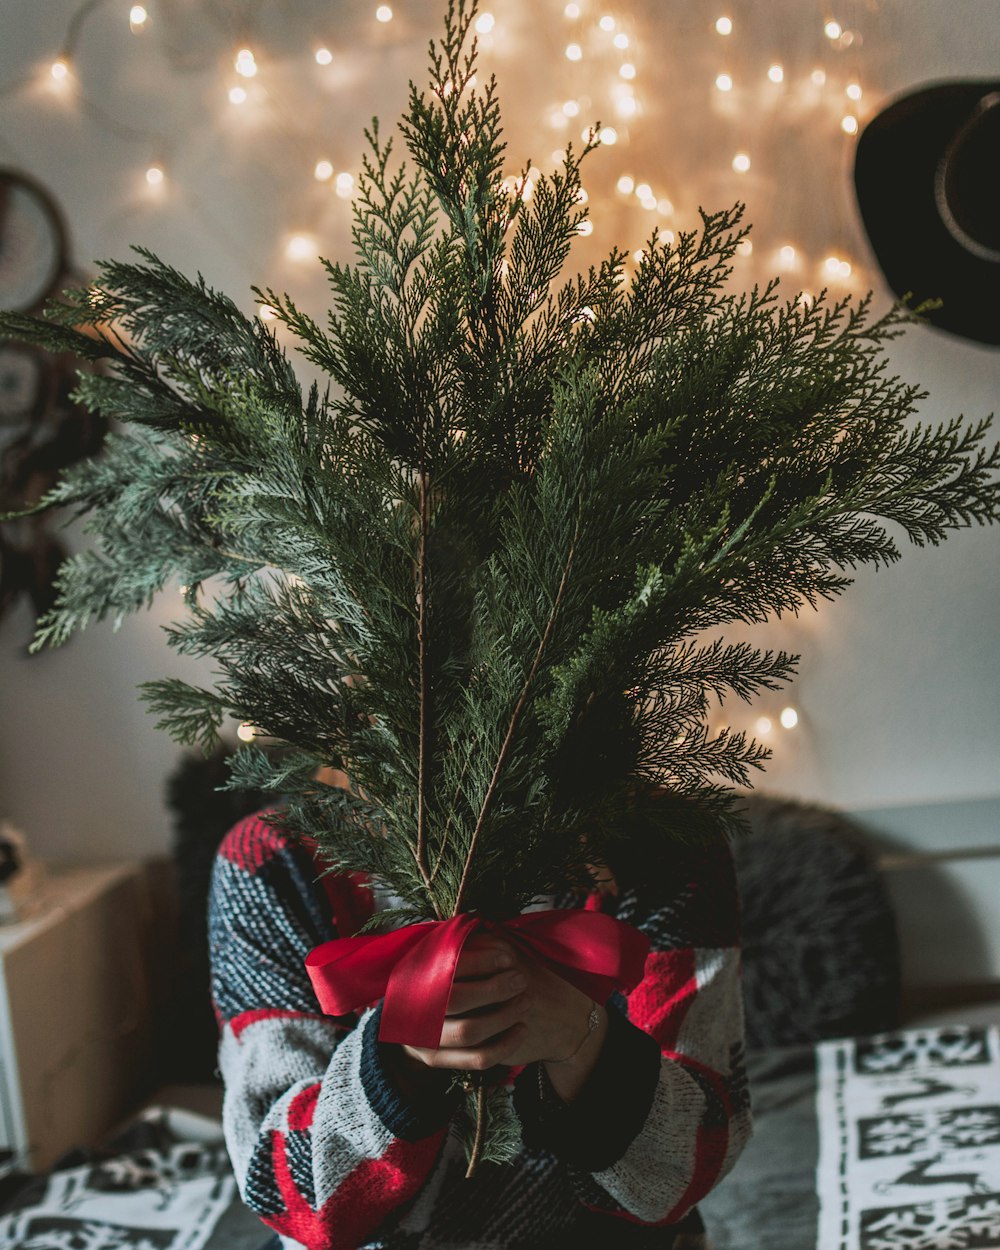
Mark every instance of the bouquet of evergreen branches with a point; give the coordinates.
(476, 572)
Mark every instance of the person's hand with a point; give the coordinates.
(506, 1008)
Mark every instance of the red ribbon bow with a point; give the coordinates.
(414, 968)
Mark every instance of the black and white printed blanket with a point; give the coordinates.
(879, 1143)
(164, 1184)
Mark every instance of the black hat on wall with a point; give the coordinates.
(927, 174)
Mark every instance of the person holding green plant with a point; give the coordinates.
(629, 1112)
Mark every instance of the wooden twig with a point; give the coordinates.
(421, 852)
(478, 1140)
(515, 718)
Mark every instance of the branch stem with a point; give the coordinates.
(514, 720)
(421, 850)
(478, 1140)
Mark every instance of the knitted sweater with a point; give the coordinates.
(329, 1152)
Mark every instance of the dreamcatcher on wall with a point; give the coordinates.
(41, 429)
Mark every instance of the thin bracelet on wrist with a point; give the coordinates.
(593, 1020)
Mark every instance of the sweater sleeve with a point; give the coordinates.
(665, 1113)
(324, 1146)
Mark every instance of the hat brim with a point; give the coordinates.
(895, 167)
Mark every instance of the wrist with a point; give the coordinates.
(408, 1070)
(569, 1074)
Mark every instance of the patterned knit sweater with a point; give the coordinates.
(329, 1152)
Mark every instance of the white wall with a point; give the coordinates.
(899, 693)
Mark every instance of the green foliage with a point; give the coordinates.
(477, 571)
(488, 1118)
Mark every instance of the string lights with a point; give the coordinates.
(596, 40)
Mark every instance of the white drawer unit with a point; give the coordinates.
(74, 1012)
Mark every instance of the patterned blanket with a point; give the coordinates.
(164, 1184)
(882, 1143)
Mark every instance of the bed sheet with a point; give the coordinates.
(889, 1142)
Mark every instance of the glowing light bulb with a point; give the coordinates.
(324, 56)
(559, 156)
(246, 64)
(763, 725)
(620, 40)
(776, 73)
(626, 184)
(789, 717)
(585, 228)
(581, 196)
(608, 135)
(786, 255)
(724, 82)
(300, 247)
(745, 247)
(833, 30)
(485, 23)
(806, 299)
(323, 171)
(345, 185)
(818, 77)
(154, 175)
(626, 106)
(246, 732)
(835, 267)
(741, 162)
(571, 108)
(667, 236)
(638, 255)
(237, 95)
(724, 25)
(607, 22)
(853, 91)
(59, 70)
(849, 125)
(137, 17)
(267, 312)
(572, 10)
(627, 70)
(644, 191)
(383, 13)
(574, 52)
(665, 207)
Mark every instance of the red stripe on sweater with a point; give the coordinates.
(251, 842)
(362, 1201)
(709, 1154)
(246, 1018)
(349, 895)
(660, 1001)
(711, 1142)
(303, 1106)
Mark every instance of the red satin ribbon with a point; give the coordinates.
(414, 968)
